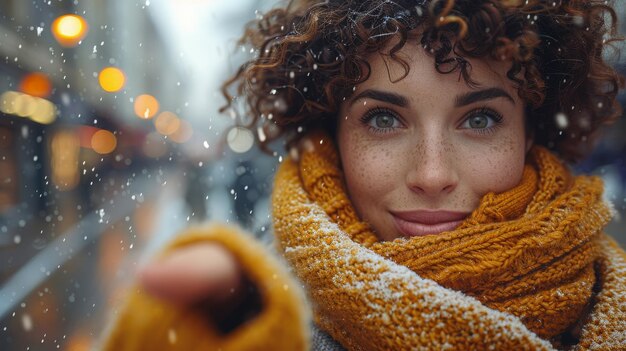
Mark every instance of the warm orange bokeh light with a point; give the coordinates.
(103, 142)
(36, 84)
(167, 123)
(183, 134)
(111, 79)
(69, 30)
(146, 106)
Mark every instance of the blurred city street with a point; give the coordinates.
(111, 143)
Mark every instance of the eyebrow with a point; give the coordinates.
(485, 94)
(461, 100)
(383, 96)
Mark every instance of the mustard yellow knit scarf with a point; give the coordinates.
(528, 266)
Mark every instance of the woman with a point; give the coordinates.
(424, 205)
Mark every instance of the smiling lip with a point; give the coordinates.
(424, 222)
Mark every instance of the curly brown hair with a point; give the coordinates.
(311, 54)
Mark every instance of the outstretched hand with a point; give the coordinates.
(204, 272)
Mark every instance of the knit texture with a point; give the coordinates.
(517, 274)
(146, 323)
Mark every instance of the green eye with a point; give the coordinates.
(381, 120)
(482, 120)
(479, 121)
(384, 121)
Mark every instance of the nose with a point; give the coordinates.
(432, 172)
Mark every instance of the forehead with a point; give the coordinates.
(387, 68)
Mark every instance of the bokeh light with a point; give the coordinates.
(69, 29)
(44, 113)
(103, 142)
(167, 123)
(183, 134)
(37, 109)
(7, 102)
(240, 139)
(24, 105)
(111, 79)
(36, 84)
(146, 106)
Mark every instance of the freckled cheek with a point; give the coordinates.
(369, 172)
(499, 168)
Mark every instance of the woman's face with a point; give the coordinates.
(418, 154)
